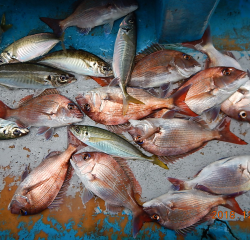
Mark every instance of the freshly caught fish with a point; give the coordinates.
(178, 137)
(28, 48)
(45, 186)
(9, 130)
(113, 181)
(46, 111)
(105, 105)
(4, 27)
(211, 87)
(34, 76)
(123, 58)
(111, 143)
(90, 14)
(157, 66)
(78, 61)
(227, 176)
(183, 211)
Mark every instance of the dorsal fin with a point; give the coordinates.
(25, 100)
(124, 165)
(52, 154)
(154, 47)
(49, 91)
(200, 121)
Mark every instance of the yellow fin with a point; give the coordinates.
(158, 162)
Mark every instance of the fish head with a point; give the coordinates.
(228, 78)
(13, 131)
(19, 205)
(128, 23)
(186, 64)
(102, 69)
(242, 109)
(5, 57)
(80, 131)
(60, 79)
(68, 112)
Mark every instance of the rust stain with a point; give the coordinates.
(241, 226)
(202, 153)
(41, 235)
(27, 149)
(56, 135)
(12, 146)
(244, 133)
(28, 155)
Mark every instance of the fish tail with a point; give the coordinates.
(158, 162)
(203, 42)
(178, 184)
(54, 24)
(179, 101)
(226, 135)
(3, 110)
(232, 204)
(129, 99)
(139, 217)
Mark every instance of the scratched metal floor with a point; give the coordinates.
(230, 26)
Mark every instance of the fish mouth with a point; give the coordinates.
(244, 74)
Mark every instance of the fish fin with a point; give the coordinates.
(74, 141)
(54, 24)
(86, 195)
(164, 89)
(59, 197)
(113, 208)
(178, 184)
(103, 82)
(229, 53)
(153, 92)
(118, 129)
(3, 110)
(179, 98)
(157, 161)
(48, 135)
(200, 121)
(30, 188)
(42, 130)
(84, 31)
(207, 63)
(108, 28)
(212, 113)
(129, 99)
(114, 82)
(20, 124)
(226, 135)
(25, 100)
(52, 154)
(124, 165)
(205, 40)
(174, 158)
(169, 114)
(232, 204)
(197, 173)
(62, 43)
(139, 217)
(49, 91)
(203, 188)
(25, 172)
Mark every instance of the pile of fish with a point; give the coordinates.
(167, 123)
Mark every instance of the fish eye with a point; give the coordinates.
(243, 114)
(86, 133)
(49, 77)
(5, 132)
(131, 21)
(77, 129)
(63, 77)
(226, 71)
(138, 139)
(23, 212)
(71, 106)
(86, 156)
(87, 107)
(105, 68)
(186, 57)
(16, 132)
(155, 217)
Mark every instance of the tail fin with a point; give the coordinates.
(226, 135)
(54, 24)
(3, 110)
(178, 100)
(129, 99)
(74, 141)
(232, 204)
(178, 184)
(202, 43)
(158, 162)
(139, 218)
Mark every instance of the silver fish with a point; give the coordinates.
(228, 176)
(78, 61)
(9, 130)
(28, 48)
(124, 53)
(34, 76)
(90, 14)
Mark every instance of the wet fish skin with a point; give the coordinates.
(227, 176)
(33, 76)
(102, 176)
(28, 48)
(90, 14)
(170, 137)
(78, 61)
(110, 143)
(40, 188)
(10, 130)
(180, 210)
(47, 111)
(105, 105)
